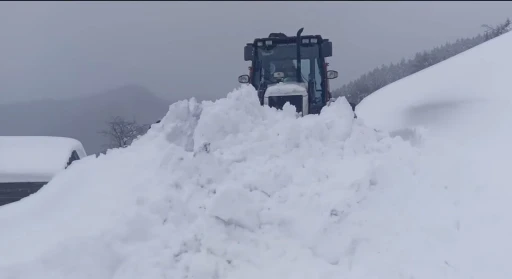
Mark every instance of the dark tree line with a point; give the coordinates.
(358, 89)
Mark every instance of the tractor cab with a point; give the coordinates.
(290, 70)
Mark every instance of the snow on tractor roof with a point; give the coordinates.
(35, 158)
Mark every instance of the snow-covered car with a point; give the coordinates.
(27, 163)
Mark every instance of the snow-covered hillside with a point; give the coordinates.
(472, 87)
(455, 223)
(230, 189)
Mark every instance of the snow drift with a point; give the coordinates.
(229, 189)
(457, 97)
(224, 189)
(453, 223)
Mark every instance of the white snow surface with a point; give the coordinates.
(35, 158)
(455, 98)
(229, 189)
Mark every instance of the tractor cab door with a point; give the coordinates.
(311, 74)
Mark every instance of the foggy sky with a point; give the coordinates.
(183, 49)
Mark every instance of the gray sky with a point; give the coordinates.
(185, 49)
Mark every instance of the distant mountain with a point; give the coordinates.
(82, 118)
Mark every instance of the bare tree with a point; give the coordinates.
(121, 132)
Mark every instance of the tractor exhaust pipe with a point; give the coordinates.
(299, 62)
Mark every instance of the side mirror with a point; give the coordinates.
(331, 74)
(243, 79)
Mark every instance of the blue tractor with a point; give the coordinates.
(296, 62)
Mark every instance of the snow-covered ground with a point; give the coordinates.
(230, 189)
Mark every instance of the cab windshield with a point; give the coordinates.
(283, 58)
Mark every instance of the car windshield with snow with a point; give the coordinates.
(29, 163)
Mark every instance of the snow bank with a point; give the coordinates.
(229, 189)
(224, 189)
(462, 94)
(35, 158)
(452, 220)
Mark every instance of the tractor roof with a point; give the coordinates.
(281, 38)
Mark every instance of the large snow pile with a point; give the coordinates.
(224, 189)
(230, 189)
